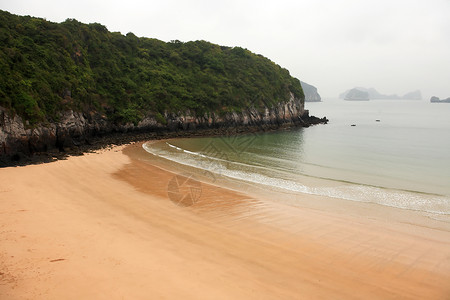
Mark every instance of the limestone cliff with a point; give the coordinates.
(76, 128)
(64, 95)
(311, 94)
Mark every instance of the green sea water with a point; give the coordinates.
(396, 154)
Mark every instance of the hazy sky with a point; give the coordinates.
(395, 46)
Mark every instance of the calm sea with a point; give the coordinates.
(397, 153)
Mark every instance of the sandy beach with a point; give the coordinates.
(110, 225)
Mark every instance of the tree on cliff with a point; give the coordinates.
(46, 68)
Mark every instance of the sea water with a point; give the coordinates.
(389, 152)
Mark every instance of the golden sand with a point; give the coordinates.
(102, 226)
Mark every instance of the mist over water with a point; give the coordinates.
(398, 154)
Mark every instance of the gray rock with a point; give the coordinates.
(75, 128)
(311, 94)
(435, 99)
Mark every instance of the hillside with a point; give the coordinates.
(69, 85)
(47, 68)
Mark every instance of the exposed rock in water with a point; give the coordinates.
(77, 131)
(437, 100)
(311, 94)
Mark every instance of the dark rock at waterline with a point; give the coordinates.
(437, 100)
(77, 132)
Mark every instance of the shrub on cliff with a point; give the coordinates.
(47, 67)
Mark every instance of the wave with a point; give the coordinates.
(253, 174)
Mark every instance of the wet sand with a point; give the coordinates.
(102, 226)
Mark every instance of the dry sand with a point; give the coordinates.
(101, 226)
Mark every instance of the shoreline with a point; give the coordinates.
(102, 226)
(295, 198)
(109, 139)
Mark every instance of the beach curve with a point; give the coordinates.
(103, 226)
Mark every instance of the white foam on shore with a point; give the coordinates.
(409, 200)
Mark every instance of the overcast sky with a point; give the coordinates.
(395, 46)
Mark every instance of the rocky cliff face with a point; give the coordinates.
(311, 94)
(75, 128)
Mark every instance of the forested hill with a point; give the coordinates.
(47, 68)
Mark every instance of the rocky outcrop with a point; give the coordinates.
(75, 128)
(311, 94)
(437, 100)
(72, 129)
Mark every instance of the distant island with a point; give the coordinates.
(375, 95)
(311, 94)
(356, 95)
(437, 100)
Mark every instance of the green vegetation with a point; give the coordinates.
(47, 67)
